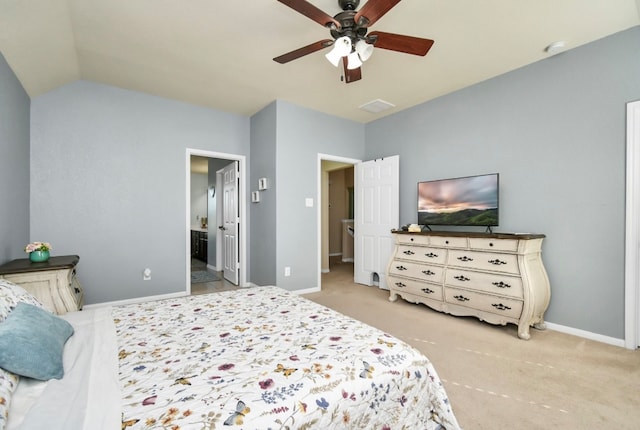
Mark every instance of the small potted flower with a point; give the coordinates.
(38, 251)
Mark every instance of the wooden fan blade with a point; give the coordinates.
(301, 52)
(351, 75)
(310, 11)
(373, 10)
(401, 43)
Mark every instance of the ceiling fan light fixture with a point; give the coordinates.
(353, 61)
(364, 50)
(341, 48)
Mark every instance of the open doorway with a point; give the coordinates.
(215, 208)
(336, 212)
(376, 212)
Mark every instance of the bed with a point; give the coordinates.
(258, 358)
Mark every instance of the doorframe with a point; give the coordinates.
(632, 229)
(242, 230)
(219, 216)
(326, 157)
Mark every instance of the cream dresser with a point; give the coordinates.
(496, 277)
(53, 282)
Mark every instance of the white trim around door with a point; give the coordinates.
(241, 159)
(632, 230)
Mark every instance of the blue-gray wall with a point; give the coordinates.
(14, 165)
(108, 182)
(555, 131)
(285, 142)
(263, 215)
(107, 174)
(301, 135)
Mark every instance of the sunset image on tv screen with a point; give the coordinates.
(471, 200)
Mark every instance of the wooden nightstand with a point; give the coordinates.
(53, 282)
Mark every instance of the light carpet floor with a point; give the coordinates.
(496, 380)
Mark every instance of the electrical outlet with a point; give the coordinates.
(287, 271)
(146, 274)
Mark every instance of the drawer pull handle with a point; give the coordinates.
(408, 252)
(400, 285)
(428, 290)
(501, 284)
(461, 298)
(428, 272)
(465, 258)
(401, 268)
(497, 262)
(501, 307)
(461, 278)
(431, 255)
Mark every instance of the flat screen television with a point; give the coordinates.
(466, 201)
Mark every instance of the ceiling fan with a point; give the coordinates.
(349, 28)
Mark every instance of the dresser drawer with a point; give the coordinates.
(412, 239)
(422, 272)
(506, 263)
(510, 286)
(496, 305)
(417, 288)
(505, 245)
(448, 242)
(422, 254)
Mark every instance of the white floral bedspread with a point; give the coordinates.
(263, 358)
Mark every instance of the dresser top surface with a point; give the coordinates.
(24, 265)
(517, 236)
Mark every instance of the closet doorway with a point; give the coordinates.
(215, 213)
(336, 239)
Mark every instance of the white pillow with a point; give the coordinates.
(11, 294)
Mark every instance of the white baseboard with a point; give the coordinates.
(334, 254)
(307, 291)
(586, 334)
(347, 260)
(136, 300)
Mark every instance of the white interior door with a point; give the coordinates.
(377, 208)
(632, 229)
(230, 222)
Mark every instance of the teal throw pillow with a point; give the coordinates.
(32, 342)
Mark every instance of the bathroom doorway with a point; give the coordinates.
(207, 243)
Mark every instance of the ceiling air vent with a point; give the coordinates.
(376, 106)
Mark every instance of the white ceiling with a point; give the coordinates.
(219, 53)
